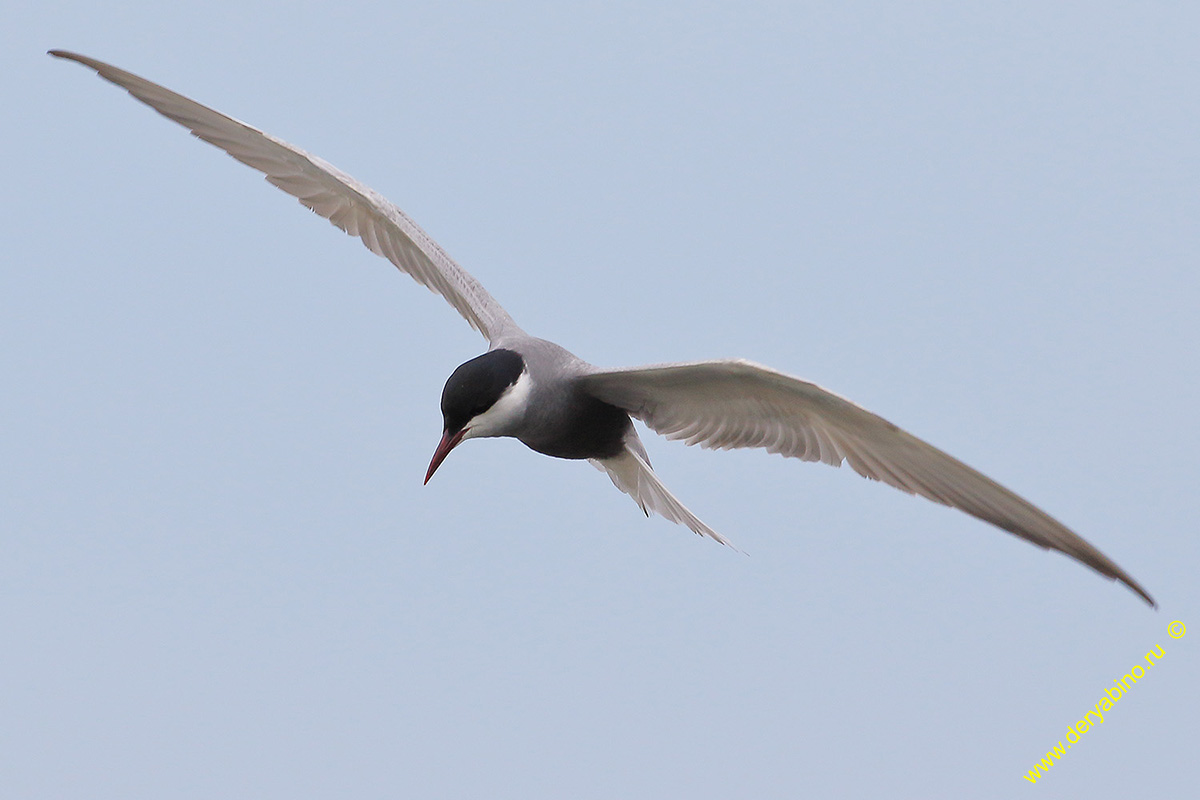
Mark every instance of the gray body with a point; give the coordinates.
(562, 406)
(562, 418)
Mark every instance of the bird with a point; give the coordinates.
(556, 403)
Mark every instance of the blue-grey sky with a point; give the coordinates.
(222, 577)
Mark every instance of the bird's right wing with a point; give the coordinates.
(735, 403)
(357, 209)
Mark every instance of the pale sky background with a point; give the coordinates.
(220, 575)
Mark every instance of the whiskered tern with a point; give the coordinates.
(555, 403)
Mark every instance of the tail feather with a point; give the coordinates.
(631, 473)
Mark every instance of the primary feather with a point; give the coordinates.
(355, 208)
(734, 403)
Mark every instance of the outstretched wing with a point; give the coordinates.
(735, 403)
(357, 209)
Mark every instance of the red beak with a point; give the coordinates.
(449, 442)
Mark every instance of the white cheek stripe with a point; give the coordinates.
(504, 415)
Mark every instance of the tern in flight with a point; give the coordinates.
(558, 404)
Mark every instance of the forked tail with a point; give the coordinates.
(631, 473)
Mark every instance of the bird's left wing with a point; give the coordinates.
(357, 209)
(735, 403)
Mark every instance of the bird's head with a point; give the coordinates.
(484, 397)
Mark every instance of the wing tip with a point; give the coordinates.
(1137, 589)
(67, 54)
